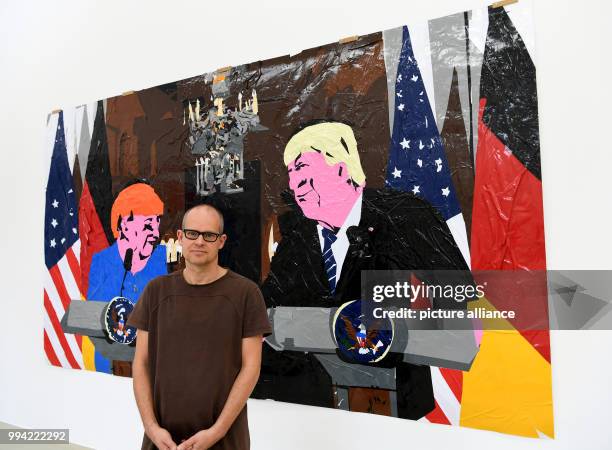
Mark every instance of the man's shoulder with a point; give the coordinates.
(294, 221)
(390, 197)
(157, 289)
(163, 281)
(387, 203)
(240, 282)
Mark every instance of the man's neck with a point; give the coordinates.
(329, 226)
(203, 274)
(353, 207)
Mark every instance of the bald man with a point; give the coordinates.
(198, 347)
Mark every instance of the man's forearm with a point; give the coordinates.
(243, 386)
(144, 396)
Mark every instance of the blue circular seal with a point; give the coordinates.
(115, 318)
(358, 339)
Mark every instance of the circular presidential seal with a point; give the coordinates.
(115, 318)
(358, 339)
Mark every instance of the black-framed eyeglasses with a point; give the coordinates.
(208, 236)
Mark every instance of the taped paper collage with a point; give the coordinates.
(411, 148)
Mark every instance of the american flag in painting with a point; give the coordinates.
(418, 164)
(62, 247)
(417, 160)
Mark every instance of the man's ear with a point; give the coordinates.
(222, 238)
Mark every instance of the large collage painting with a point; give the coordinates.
(412, 148)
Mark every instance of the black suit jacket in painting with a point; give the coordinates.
(396, 231)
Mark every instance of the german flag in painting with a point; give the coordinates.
(508, 230)
(96, 198)
(508, 388)
(508, 215)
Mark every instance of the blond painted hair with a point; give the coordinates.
(334, 140)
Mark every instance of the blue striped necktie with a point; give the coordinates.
(328, 258)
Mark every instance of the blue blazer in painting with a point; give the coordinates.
(105, 278)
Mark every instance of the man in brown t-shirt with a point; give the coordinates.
(198, 347)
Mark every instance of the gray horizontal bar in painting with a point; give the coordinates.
(453, 349)
(84, 318)
(302, 328)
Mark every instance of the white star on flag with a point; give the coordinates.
(54, 223)
(399, 93)
(399, 77)
(52, 243)
(415, 190)
(420, 162)
(74, 230)
(421, 146)
(438, 165)
(55, 203)
(401, 107)
(397, 173)
(414, 78)
(405, 143)
(445, 191)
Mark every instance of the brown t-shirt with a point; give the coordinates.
(195, 338)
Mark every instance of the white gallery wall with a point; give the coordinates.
(61, 54)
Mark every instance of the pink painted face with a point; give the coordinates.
(140, 233)
(324, 192)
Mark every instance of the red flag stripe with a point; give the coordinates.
(75, 274)
(51, 356)
(59, 285)
(454, 379)
(444, 397)
(59, 332)
(74, 341)
(437, 415)
(55, 343)
(540, 340)
(508, 216)
(79, 340)
(59, 310)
